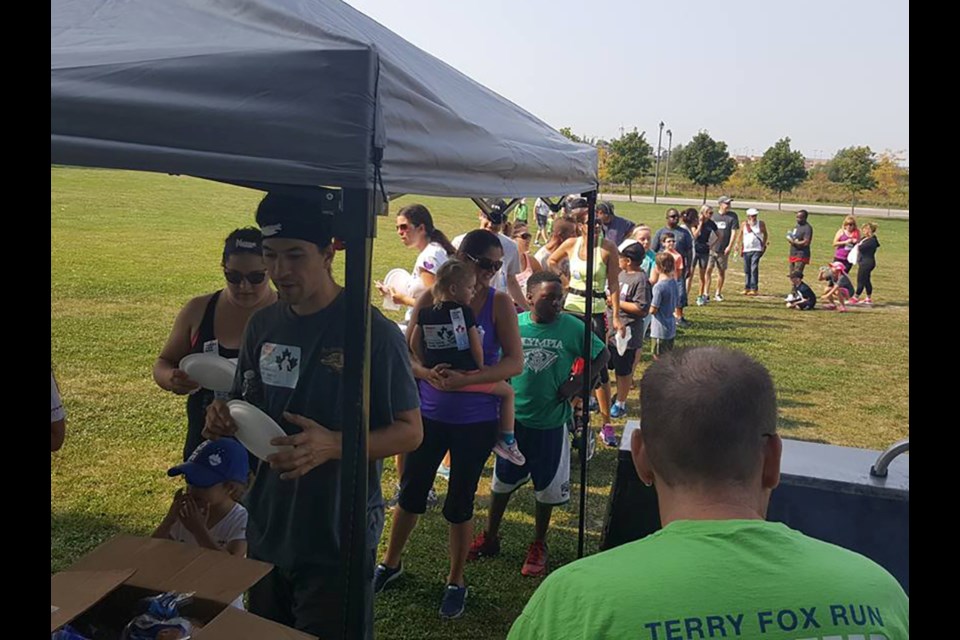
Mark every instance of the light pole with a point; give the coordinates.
(666, 171)
(656, 171)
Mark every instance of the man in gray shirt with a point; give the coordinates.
(294, 348)
(727, 225)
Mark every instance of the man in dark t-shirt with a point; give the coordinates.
(294, 348)
(800, 238)
(727, 224)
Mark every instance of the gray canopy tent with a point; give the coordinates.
(295, 95)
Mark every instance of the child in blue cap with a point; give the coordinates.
(208, 514)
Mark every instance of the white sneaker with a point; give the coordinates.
(718, 298)
(509, 452)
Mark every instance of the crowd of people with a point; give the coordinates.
(490, 360)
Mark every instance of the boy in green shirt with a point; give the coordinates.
(552, 341)
(717, 568)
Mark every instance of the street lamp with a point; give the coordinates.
(656, 172)
(666, 171)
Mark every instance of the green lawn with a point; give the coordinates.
(128, 249)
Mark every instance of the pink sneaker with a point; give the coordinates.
(509, 452)
(853, 300)
(829, 306)
(866, 301)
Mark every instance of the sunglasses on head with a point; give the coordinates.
(486, 263)
(235, 277)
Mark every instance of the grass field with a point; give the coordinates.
(128, 249)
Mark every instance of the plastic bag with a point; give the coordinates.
(67, 633)
(161, 619)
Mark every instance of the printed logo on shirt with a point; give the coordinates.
(428, 265)
(280, 365)
(332, 358)
(439, 336)
(211, 346)
(539, 354)
(721, 224)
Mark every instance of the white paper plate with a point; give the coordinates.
(623, 341)
(398, 279)
(210, 370)
(255, 429)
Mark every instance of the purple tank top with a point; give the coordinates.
(843, 251)
(466, 408)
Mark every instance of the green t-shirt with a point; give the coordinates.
(521, 213)
(719, 579)
(549, 351)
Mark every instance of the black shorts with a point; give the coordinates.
(541, 221)
(469, 445)
(598, 324)
(622, 365)
(701, 259)
(548, 464)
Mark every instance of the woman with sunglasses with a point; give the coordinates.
(416, 231)
(214, 323)
(464, 423)
(606, 274)
(529, 265)
(845, 240)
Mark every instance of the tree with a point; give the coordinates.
(570, 135)
(781, 169)
(890, 177)
(706, 162)
(629, 158)
(853, 168)
(603, 163)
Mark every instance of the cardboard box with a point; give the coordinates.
(106, 584)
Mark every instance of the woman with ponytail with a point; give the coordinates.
(416, 230)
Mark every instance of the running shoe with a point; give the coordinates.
(509, 452)
(535, 564)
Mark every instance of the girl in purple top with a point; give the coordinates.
(465, 423)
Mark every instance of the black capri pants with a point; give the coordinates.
(469, 445)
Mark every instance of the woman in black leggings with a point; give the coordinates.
(866, 263)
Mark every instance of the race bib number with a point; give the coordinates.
(280, 365)
(460, 329)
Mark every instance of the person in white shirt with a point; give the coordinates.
(506, 278)
(208, 514)
(416, 231)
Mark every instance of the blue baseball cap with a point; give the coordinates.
(213, 462)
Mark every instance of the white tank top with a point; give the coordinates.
(752, 238)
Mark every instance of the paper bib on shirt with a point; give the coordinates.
(280, 365)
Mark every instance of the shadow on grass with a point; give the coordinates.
(74, 534)
(792, 423)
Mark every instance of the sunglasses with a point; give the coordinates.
(486, 264)
(524, 236)
(235, 277)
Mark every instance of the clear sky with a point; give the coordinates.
(827, 73)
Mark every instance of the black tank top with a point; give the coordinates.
(203, 342)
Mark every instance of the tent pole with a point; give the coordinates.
(587, 342)
(357, 229)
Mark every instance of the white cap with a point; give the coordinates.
(753, 212)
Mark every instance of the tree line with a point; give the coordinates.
(706, 163)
